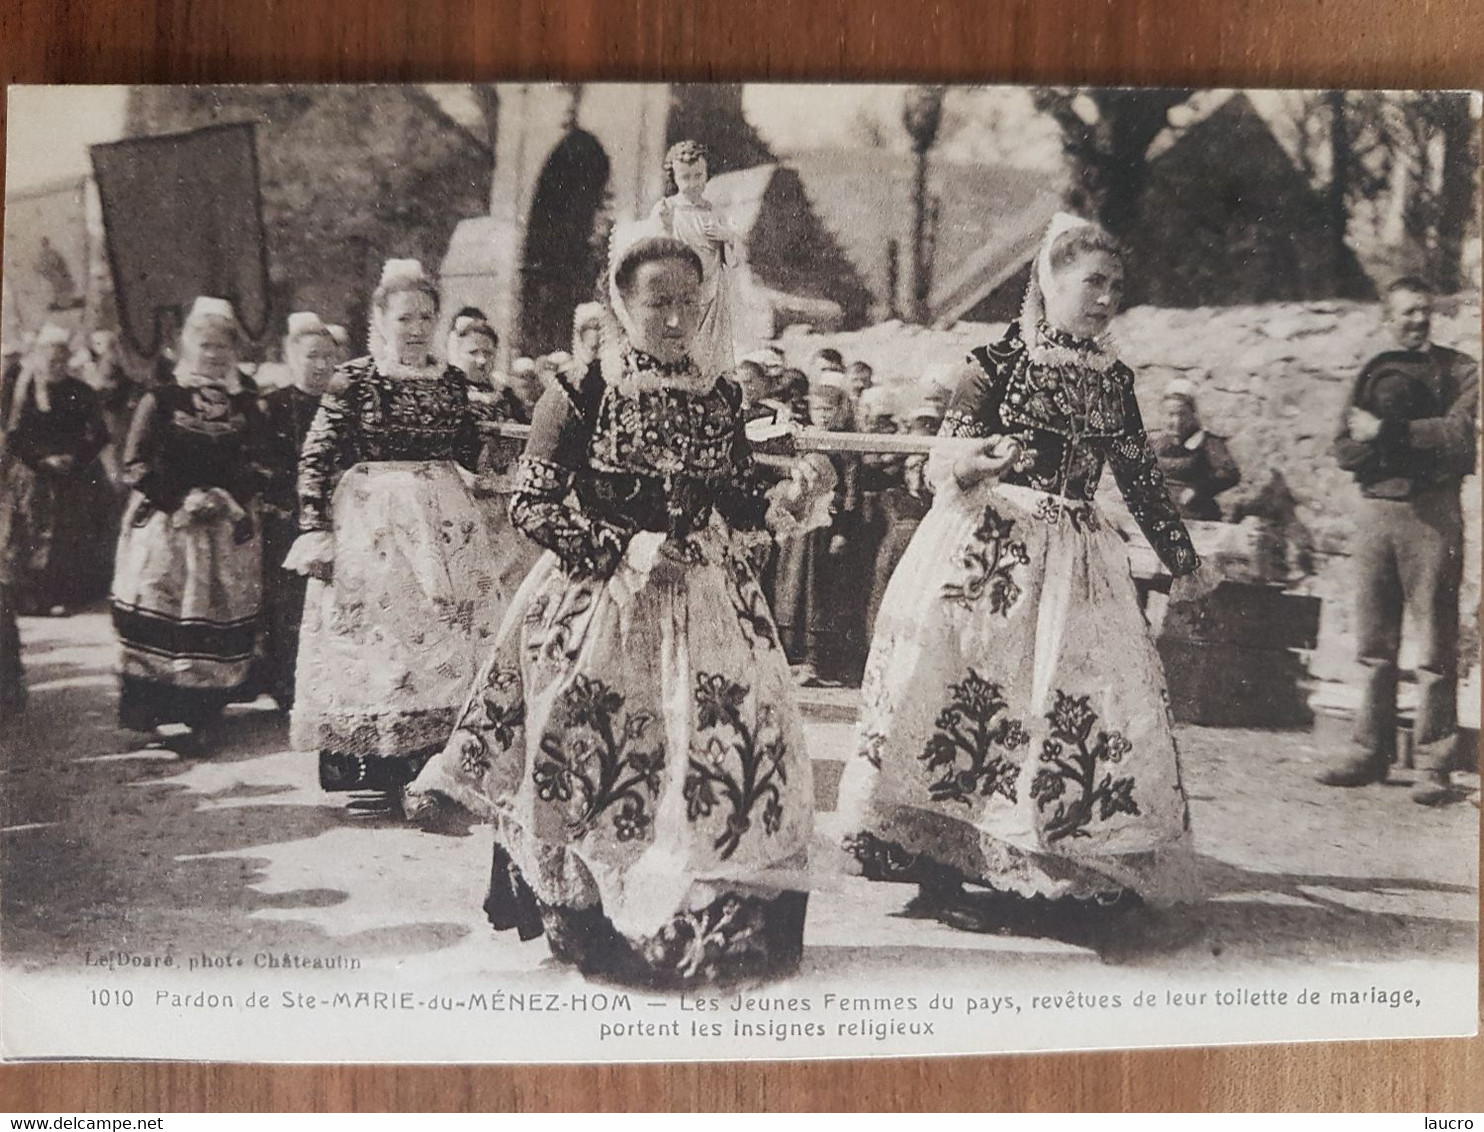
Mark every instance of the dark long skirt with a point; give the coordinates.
(819, 604)
(58, 533)
(283, 612)
(738, 936)
(185, 607)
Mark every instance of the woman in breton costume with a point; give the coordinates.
(52, 489)
(1014, 735)
(587, 333)
(188, 575)
(633, 737)
(818, 577)
(472, 346)
(311, 355)
(408, 577)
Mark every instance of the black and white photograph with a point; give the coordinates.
(551, 572)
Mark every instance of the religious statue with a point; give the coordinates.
(688, 216)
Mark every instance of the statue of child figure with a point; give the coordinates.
(687, 215)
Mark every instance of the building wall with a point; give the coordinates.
(484, 261)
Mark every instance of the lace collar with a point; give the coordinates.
(388, 366)
(639, 372)
(1050, 348)
(1073, 397)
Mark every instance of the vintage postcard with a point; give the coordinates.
(629, 572)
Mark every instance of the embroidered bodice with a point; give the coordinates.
(377, 418)
(189, 438)
(603, 463)
(1075, 420)
(288, 414)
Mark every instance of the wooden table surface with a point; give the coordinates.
(1216, 43)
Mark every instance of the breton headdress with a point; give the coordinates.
(1181, 389)
(769, 357)
(1061, 224)
(466, 324)
(207, 306)
(618, 329)
(927, 411)
(35, 378)
(306, 322)
(402, 270)
(876, 401)
(1098, 355)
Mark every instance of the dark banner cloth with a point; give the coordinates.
(183, 217)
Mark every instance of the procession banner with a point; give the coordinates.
(182, 217)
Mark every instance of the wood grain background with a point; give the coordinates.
(1350, 43)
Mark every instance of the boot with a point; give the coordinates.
(1435, 759)
(1432, 788)
(932, 898)
(1359, 767)
(188, 743)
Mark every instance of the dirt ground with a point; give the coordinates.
(109, 846)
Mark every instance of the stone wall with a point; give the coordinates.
(1273, 378)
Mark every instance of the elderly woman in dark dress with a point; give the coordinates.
(53, 490)
(311, 355)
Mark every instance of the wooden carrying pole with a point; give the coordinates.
(794, 441)
(805, 440)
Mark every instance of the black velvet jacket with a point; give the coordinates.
(1075, 420)
(602, 465)
(375, 417)
(189, 438)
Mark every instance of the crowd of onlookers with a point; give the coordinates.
(67, 401)
(825, 586)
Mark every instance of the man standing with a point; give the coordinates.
(1196, 463)
(1409, 543)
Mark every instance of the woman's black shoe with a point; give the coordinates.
(340, 772)
(387, 774)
